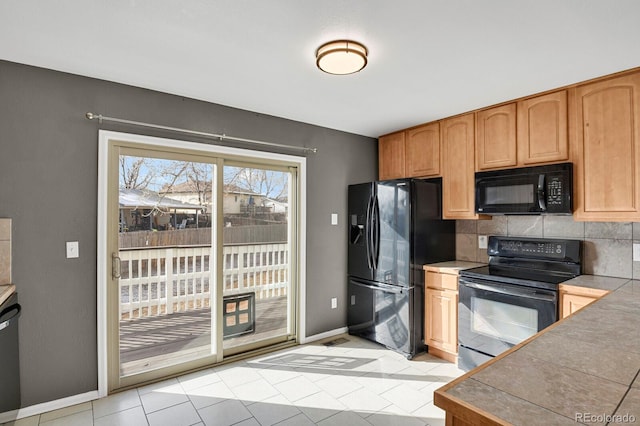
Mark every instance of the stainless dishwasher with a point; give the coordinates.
(9, 355)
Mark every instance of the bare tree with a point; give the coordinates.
(271, 184)
(135, 172)
(199, 175)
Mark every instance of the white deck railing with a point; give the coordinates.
(161, 280)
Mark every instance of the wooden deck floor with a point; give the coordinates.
(150, 343)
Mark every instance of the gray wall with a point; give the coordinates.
(48, 170)
(607, 248)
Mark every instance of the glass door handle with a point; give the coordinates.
(115, 266)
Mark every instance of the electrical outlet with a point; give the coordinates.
(72, 250)
(334, 302)
(482, 241)
(636, 252)
(334, 218)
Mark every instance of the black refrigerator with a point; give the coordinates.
(395, 227)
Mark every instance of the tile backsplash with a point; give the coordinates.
(5, 251)
(607, 249)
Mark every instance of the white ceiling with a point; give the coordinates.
(428, 59)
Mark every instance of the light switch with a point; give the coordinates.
(334, 218)
(482, 241)
(636, 252)
(72, 250)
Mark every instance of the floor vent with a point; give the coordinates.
(335, 342)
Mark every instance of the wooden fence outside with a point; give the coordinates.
(253, 234)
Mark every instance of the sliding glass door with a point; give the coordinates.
(202, 259)
(257, 292)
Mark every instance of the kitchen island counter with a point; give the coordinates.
(584, 368)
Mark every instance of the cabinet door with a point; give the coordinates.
(391, 155)
(496, 137)
(458, 167)
(542, 129)
(570, 303)
(606, 152)
(441, 319)
(422, 146)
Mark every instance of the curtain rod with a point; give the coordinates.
(222, 137)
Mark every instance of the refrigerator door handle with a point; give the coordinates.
(367, 234)
(381, 287)
(376, 232)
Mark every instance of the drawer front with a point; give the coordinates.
(441, 281)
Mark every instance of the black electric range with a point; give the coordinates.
(532, 262)
(514, 297)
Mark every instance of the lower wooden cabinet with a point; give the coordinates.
(441, 315)
(442, 320)
(574, 298)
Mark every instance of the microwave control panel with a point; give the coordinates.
(554, 191)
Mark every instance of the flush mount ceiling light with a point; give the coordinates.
(341, 57)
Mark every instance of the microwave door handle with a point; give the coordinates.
(541, 193)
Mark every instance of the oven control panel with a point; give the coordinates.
(535, 248)
(528, 248)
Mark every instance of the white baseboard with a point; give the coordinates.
(330, 333)
(33, 410)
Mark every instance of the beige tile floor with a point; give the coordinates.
(353, 383)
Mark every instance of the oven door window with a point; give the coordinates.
(492, 317)
(503, 321)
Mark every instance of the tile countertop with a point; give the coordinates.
(583, 368)
(452, 266)
(6, 290)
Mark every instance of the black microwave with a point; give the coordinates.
(528, 190)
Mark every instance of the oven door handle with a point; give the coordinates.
(530, 294)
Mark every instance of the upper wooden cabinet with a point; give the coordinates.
(391, 153)
(422, 151)
(496, 137)
(458, 162)
(411, 153)
(542, 129)
(595, 125)
(606, 149)
(530, 132)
